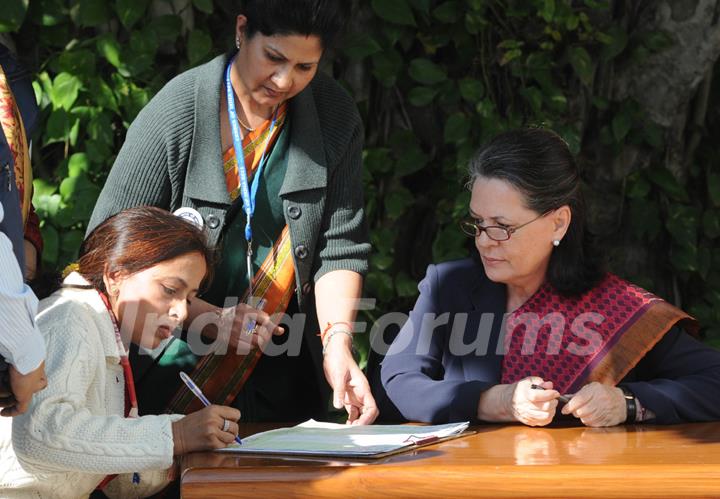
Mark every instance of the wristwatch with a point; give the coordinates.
(630, 404)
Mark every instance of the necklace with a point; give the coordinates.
(244, 125)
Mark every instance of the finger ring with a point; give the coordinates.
(226, 425)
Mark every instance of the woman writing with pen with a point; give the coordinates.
(137, 274)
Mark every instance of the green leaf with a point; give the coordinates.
(78, 164)
(12, 14)
(421, 5)
(198, 47)
(598, 4)
(422, 96)
(683, 223)
(51, 245)
(81, 63)
(472, 90)
(621, 124)
(510, 55)
(571, 135)
(109, 48)
(380, 285)
(377, 160)
(394, 11)
(386, 66)
(397, 202)
(663, 178)
(713, 183)
(69, 245)
(685, 258)
(130, 11)
(657, 41)
(450, 243)
(644, 218)
(204, 5)
(49, 13)
(534, 97)
(547, 10)
(426, 72)
(448, 12)
(457, 128)
(711, 224)
(361, 45)
(93, 13)
(581, 63)
(65, 91)
(42, 187)
(381, 262)
(167, 28)
(653, 135)
(405, 286)
(475, 22)
(615, 43)
(572, 22)
(600, 103)
(59, 127)
(638, 188)
(412, 160)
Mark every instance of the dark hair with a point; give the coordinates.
(539, 164)
(138, 238)
(323, 18)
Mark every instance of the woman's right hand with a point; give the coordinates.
(231, 327)
(531, 406)
(203, 430)
(236, 326)
(519, 402)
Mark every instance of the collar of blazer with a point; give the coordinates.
(307, 163)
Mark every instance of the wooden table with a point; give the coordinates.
(497, 461)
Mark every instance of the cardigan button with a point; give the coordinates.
(213, 221)
(294, 212)
(301, 251)
(306, 288)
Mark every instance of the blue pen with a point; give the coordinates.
(199, 394)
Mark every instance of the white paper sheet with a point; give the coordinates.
(313, 438)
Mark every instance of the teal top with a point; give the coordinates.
(230, 279)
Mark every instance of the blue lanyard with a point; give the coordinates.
(248, 193)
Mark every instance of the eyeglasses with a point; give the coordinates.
(473, 228)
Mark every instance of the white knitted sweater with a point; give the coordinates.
(75, 432)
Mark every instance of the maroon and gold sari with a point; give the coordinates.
(599, 336)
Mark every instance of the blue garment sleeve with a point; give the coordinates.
(678, 379)
(413, 373)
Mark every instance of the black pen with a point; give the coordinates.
(562, 398)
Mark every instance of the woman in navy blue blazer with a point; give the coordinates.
(532, 320)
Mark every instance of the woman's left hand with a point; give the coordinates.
(350, 387)
(597, 404)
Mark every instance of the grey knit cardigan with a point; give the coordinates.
(172, 158)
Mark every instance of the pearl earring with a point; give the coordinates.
(556, 242)
(237, 42)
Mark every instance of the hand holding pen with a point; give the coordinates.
(213, 427)
(562, 398)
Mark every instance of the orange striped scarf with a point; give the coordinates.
(221, 377)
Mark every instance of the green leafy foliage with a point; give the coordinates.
(98, 62)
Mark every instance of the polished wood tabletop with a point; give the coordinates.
(496, 461)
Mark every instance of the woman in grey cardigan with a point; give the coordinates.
(289, 224)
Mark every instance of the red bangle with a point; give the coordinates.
(330, 325)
